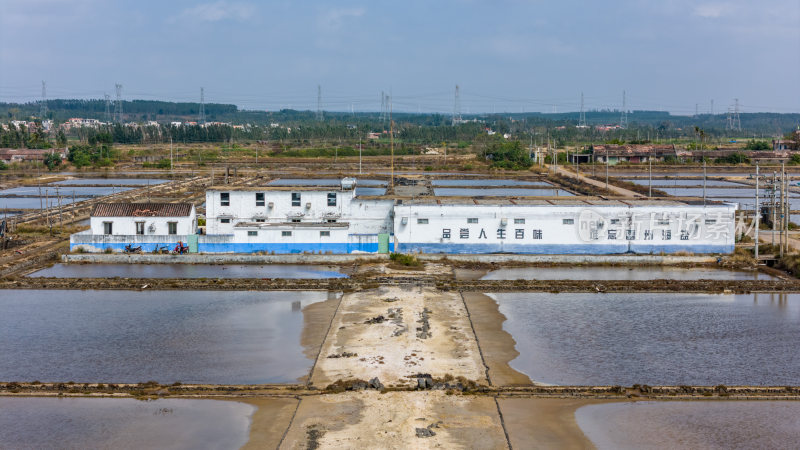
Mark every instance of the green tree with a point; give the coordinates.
(52, 161)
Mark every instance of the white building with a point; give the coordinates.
(294, 219)
(563, 227)
(151, 225)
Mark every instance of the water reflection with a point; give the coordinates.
(654, 338)
(42, 423)
(692, 424)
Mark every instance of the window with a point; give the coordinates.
(663, 222)
(614, 221)
(107, 227)
(711, 221)
(630, 234)
(252, 233)
(612, 234)
(684, 235)
(463, 233)
(286, 233)
(519, 233)
(501, 233)
(296, 199)
(224, 199)
(330, 220)
(260, 220)
(422, 221)
(224, 220)
(648, 235)
(324, 234)
(332, 199)
(666, 235)
(172, 227)
(519, 221)
(446, 233)
(472, 220)
(139, 227)
(295, 221)
(537, 234)
(260, 199)
(568, 221)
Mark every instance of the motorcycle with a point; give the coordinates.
(130, 249)
(180, 249)
(163, 250)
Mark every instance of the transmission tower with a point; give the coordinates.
(712, 106)
(457, 107)
(107, 116)
(43, 105)
(118, 104)
(729, 120)
(582, 118)
(202, 119)
(737, 122)
(623, 119)
(319, 103)
(383, 106)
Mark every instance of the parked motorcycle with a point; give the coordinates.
(163, 250)
(131, 249)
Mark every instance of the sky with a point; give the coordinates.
(505, 55)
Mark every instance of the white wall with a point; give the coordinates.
(127, 225)
(365, 216)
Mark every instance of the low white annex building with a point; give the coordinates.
(151, 225)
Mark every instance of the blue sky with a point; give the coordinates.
(506, 55)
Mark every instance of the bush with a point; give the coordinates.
(405, 260)
(509, 155)
(163, 164)
(3, 166)
(757, 145)
(733, 158)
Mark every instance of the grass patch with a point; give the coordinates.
(405, 260)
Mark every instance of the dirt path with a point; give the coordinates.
(395, 332)
(618, 190)
(396, 420)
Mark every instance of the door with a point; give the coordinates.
(383, 243)
(191, 240)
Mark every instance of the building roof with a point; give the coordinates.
(571, 201)
(142, 210)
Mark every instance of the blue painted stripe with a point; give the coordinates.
(287, 248)
(559, 249)
(120, 246)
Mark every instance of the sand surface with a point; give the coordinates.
(398, 347)
(270, 421)
(544, 423)
(369, 419)
(497, 345)
(316, 322)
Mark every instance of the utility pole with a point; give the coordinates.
(43, 105)
(773, 207)
(319, 103)
(391, 143)
(582, 117)
(359, 154)
(650, 176)
(202, 119)
(758, 215)
(783, 207)
(704, 182)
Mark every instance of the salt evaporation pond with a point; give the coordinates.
(709, 183)
(692, 424)
(493, 182)
(654, 338)
(93, 191)
(500, 192)
(122, 423)
(73, 270)
(218, 337)
(370, 191)
(623, 273)
(119, 181)
(322, 182)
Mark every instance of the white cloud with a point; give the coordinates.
(333, 19)
(218, 11)
(712, 10)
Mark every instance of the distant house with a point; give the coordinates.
(784, 144)
(614, 154)
(10, 155)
